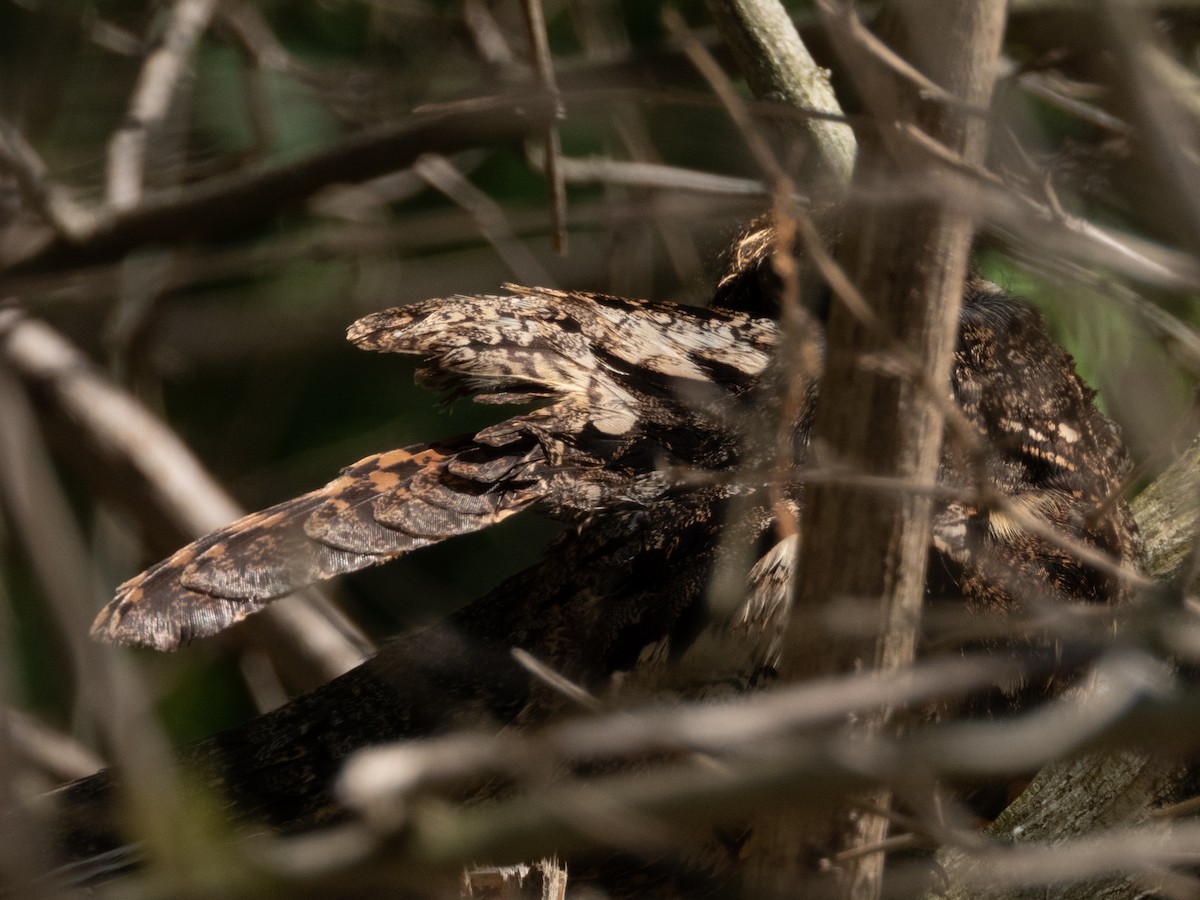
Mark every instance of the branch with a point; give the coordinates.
(701, 772)
(1167, 513)
(442, 174)
(770, 53)
(123, 435)
(49, 200)
(57, 754)
(151, 101)
(230, 202)
(910, 259)
(543, 65)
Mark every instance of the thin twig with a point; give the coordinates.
(486, 34)
(1044, 87)
(230, 201)
(252, 33)
(439, 172)
(737, 110)
(156, 88)
(55, 753)
(555, 680)
(69, 219)
(543, 66)
(599, 170)
(887, 845)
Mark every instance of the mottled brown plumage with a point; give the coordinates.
(646, 445)
(631, 386)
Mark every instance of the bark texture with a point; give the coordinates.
(880, 412)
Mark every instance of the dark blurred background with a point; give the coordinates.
(235, 337)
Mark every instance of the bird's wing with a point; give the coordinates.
(627, 384)
(377, 509)
(623, 370)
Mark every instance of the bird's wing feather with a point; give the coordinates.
(347, 525)
(588, 353)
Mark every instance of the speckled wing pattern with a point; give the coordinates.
(629, 384)
(667, 586)
(1052, 458)
(349, 524)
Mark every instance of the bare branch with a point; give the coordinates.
(50, 200)
(1168, 515)
(493, 224)
(119, 428)
(55, 753)
(152, 97)
(252, 32)
(599, 170)
(543, 66)
(230, 201)
(769, 51)
(872, 419)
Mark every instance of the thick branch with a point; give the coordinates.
(909, 260)
(1167, 514)
(770, 53)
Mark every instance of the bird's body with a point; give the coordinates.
(645, 446)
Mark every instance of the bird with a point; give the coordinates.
(632, 387)
(642, 441)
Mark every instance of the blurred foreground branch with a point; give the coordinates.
(227, 202)
(714, 763)
(125, 437)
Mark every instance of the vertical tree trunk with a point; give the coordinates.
(877, 413)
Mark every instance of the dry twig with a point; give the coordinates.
(152, 98)
(321, 641)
